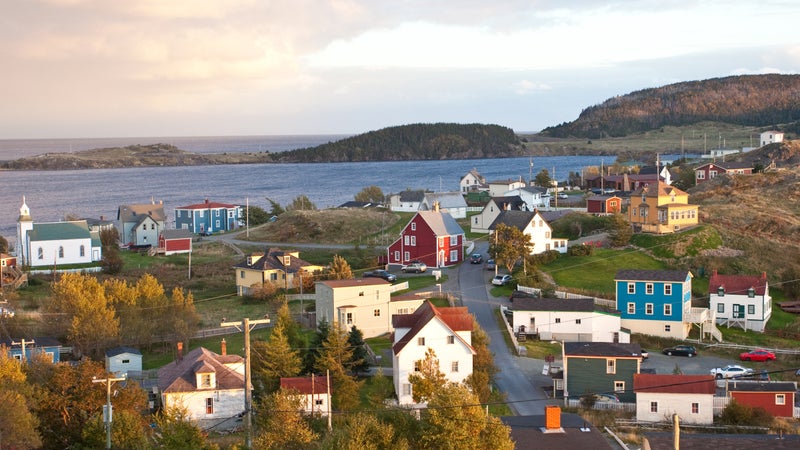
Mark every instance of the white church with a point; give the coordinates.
(50, 244)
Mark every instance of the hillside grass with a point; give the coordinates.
(687, 243)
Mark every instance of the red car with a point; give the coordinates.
(758, 355)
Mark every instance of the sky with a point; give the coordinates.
(99, 68)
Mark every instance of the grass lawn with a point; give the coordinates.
(380, 345)
(596, 273)
(161, 355)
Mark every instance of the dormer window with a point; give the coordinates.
(751, 292)
(721, 291)
(287, 260)
(205, 380)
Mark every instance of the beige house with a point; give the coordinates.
(500, 188)
(365, 303)
(279, 267)
(479, 223)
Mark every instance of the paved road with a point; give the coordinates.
(517, 375)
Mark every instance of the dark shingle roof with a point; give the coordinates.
(651, 275)
(179, 376)
(512, 202)
(177, 234)
(516, 219)
(273, 260)
(762, 386)
(691, 441)
(120, 350)
(412, 196)
(131, 213)
(527, 433)
(602, 349)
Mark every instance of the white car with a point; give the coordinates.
(501, 280)
(563, 195)
(732, 371)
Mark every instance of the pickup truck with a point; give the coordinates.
(381, 274)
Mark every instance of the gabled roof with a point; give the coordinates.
(552, 216)
(510, 203)
(122, 350)
(506, 182)
(728, 165)
(54, 231)
(132, 213)
(208, 205)
(446, 199)
(456, 318)
(602, 198)
(177, 234)
(412, 196)
(762, 386)
(306, 385)
(442, 223)
(658, 189)
(35, 342)
(273, 260)
(674, 384)
(618, 350)
(179, 376)
(476, 174)
(371, 281)
(527, 432)
(651, 275)
(552, 304)
(534, 189)
(516, 219)
(738, 284)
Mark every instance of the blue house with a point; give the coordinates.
(33, 348)
(208, 217)
(656, 302)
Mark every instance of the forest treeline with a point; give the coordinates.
(415, 142)
(750, 100)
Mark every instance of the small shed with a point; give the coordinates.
(314, 392)
(124, 361)
(171, 242)
(777, 397)
(603, 204)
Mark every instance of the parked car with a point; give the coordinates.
(415, 266)
(563, 195)
(758, 355)
(681, 350)
(604, 398)
(381, 274)
(645, 354)
(731, 371)
(501, 280)
(476, 258)
(490, 265)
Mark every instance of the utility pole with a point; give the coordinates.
(107, 412)
(23, 342)
(245, 326)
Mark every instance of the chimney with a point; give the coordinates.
(206, 201)
(763, 275)
(223, 347)
(552, 418)
(714, 273)
(436, 206)
(180, 351)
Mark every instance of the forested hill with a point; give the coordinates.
(750, 100)
(415, 142)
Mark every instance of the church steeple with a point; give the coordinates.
(24, 212)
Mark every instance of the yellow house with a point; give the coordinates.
(661, 208)
(276, 266)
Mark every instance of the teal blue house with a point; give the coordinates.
(27, 349)
(656, 302)
(600, 368)
(209, 217)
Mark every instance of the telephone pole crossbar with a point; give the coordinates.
(107, 415)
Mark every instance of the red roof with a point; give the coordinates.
(306, 385)
(674, 384)
(456, 318)
(738, 284)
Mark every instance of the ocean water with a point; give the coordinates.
(52, 195)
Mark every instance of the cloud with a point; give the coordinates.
(526, 87)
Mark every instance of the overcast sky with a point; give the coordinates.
(100, 68)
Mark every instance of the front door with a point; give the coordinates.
(738, 311)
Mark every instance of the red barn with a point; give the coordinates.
(777, 397)
(175, 241)
(603, 204)
(432, 237)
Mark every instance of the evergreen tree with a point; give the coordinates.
(360, 360)
(620, 230)
(275, 359)
(280, 423)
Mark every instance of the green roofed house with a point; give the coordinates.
(55, 243)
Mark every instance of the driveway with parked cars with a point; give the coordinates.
(698, 365)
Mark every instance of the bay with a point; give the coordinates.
(52, 195)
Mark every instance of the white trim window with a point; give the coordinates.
(667, 309)
(611, 366)
(631, 288)
(648, 288)
(667, 289)
(648, 309)
(780, 399)
(631, 308)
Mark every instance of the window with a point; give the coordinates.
(126, 361)
(547, 235)
(273, 276)
(60, 252)
(751, 309)
(648, 309)
(205, 380)
(667, 309)
(413, 241)
(780, 399)
(577, 321)
(241, 274)
(209, 405)
(318, 402)
(83, 250)
(413, 226)
(451, 339)
(667, 289)
(406, 389)
(701, 175)
(695, 408)
(653, 407)
(361, 293)
(406, 256)
(619, 386)
(631, 308)
(397, 255)
(611, 366)
(558, 319)
(454, 240)
(407, 240)
(349, 319)
(417, 366)
(720, 307)
(667, 328)
(648, 288)
(420, 341)
(631, 288)
(751, 292)
(454, 366)
(18, 357)
(376, 312)
(453, 255)
(40, 253)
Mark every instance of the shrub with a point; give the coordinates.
(581, 250)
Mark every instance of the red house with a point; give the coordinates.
(711, 170)
(777, 397)
(175, 241)
(603, 204)
(432, 237)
